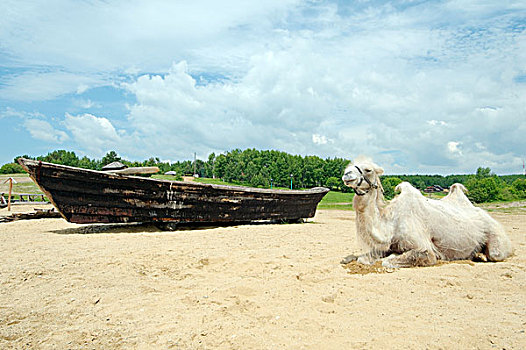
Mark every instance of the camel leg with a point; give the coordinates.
(480, 257)
(498, 246)
(349, 259)
(367, 258)
(410, 258)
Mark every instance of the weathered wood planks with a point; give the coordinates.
(88, 196)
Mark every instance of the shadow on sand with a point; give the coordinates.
(159, 227)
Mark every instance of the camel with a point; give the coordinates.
(413, 230)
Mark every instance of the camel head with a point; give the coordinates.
(362, 175)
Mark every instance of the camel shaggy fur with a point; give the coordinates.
(413, 230)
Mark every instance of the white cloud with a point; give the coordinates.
(419, 86)
(97, 135)
(86, 103)
(480, 146)
(271, 106)
(452, 146)
(437, 123)
(288, 96)
(42, 130)
(319, 139)
(100, 35)
(9, 112)
(82, 88)
(34, 86)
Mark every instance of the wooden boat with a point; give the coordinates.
(89, 196)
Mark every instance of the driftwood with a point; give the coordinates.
(136, 171)
(38, 214)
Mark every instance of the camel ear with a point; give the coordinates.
(379, 171)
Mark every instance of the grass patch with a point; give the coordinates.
(337, 197)
(338, 206)
(508, 207)
(164, 177)
(337, 200)
(27, 187)
(14, 175)
(514, 210)
(24, 184)
(204, 180)
(435, 195)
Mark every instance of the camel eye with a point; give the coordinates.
(368, 170)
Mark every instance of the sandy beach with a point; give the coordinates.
(66, 286)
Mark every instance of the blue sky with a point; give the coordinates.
(420, 86)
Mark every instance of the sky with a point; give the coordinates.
(428, 87)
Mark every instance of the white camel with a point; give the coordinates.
(413, 230)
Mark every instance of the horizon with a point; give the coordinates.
(422, 87)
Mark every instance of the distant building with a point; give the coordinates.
(433, 189)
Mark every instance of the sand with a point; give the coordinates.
(246, 287)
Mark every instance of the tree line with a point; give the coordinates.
(269, 168)
(483, 186)
(252, 167)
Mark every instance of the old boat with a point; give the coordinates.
(89, 196)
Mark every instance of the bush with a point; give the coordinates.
(482, 189)
(389, 185)
(11, 168)
(506, 193)
(333, 183)
(259, 181)
(519, 188)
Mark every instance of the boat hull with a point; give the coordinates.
(88, 196)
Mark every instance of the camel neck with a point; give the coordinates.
(366, 202)
(369, 221)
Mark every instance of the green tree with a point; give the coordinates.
(24, 156)
(482, 189)
(519, 188)
(11, 168)
(389, 184)
(110, 157)
(220, 166)
(209, 166)
(483, 172)
(87, 163)
(333, 183)
(61, 157)
(259, 180)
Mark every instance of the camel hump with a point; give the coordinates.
(457, 194)
(404, 186)
(458, 187)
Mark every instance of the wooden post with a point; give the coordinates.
(10, 191)
(195, 162)
(11, 180)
